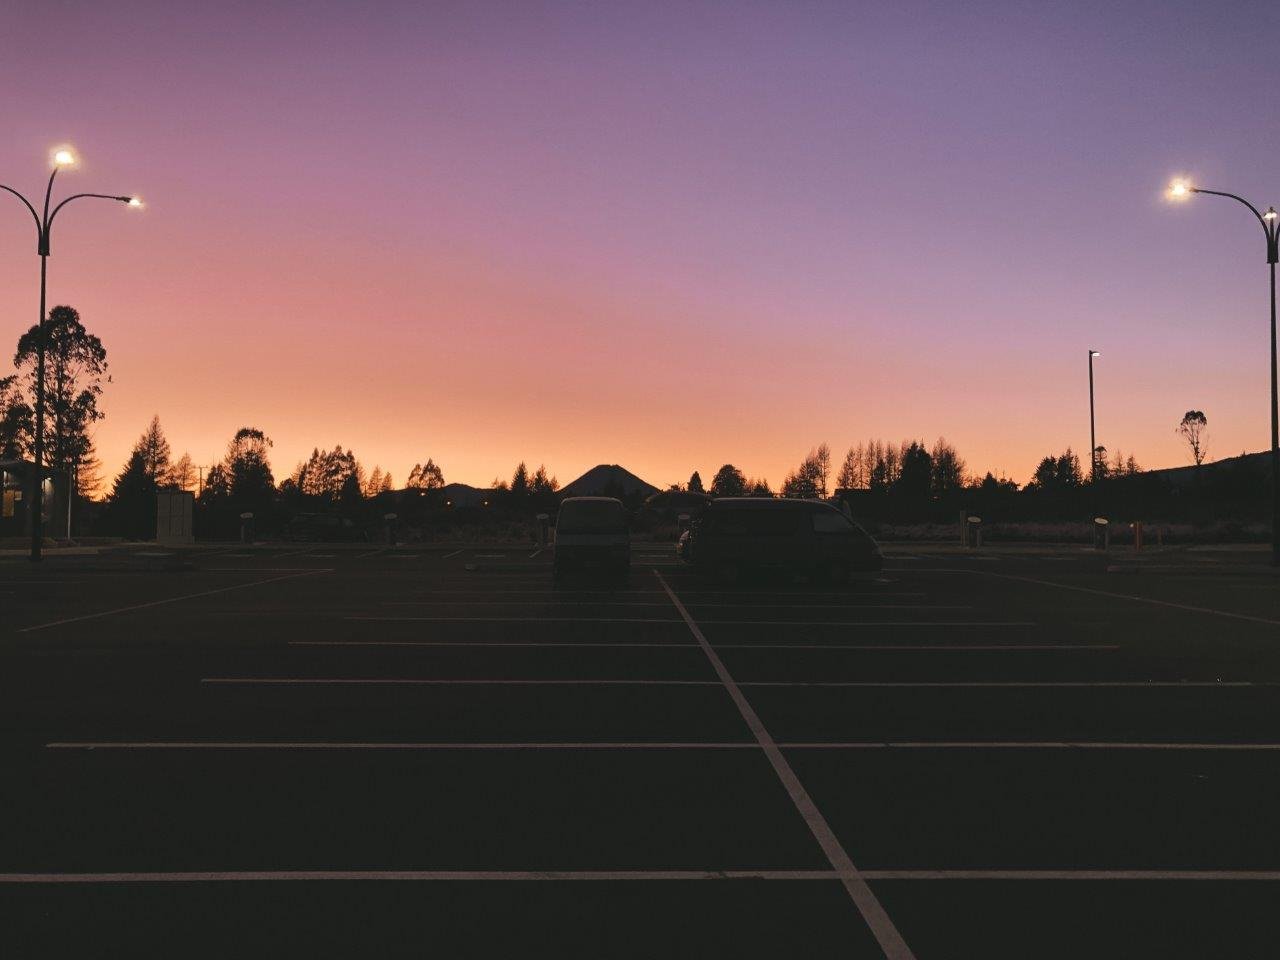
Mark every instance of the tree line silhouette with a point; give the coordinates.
(905, 481)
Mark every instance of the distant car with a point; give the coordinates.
(324, 528)
(739, 534)
(592, 532)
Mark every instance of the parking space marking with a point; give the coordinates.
(385, 745)
(535, 553)
(886, 934)
(981, 684)
(454, 554)
(484, 643)
(511, 620)
(159, 603)
(1117, 596)
(924, 647)
(605, 876)
(1024, 745)
(555, 602)
(215, 876)
(448, 682)
(647, 745)
(371, 553)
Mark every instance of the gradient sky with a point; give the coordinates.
(665, 234)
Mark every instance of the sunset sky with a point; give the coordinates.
(664, 234)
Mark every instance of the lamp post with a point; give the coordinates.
(1181, 190)
(1093, 439)
(62, 158)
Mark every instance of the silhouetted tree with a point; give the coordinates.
(75, 365)
(131, 506)
(183, 473)
(251, 485)
(374, 486)
(153, 448)
(425, 476)
(728, 482)
(695, 483)
(947, 469)
(759, 488)
(542, 484)
(917, 473)
(520, 482)
(1192, 429)
(852, 475)
(15, 420)
(821, 468)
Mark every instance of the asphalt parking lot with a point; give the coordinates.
(403, 752)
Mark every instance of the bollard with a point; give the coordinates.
(973, 532)
(246, 524)
(544, 524)
(1101, 533)
(390, 519)
(1137, 535)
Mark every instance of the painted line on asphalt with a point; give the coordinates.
(535, 553)
(555, 602)
(305, 745)
(371, 553)
(886, 934)
(384, 745)
(720, 623)
(1190, 608)
(578, 876)
(925, 647)
(160, 603)
(675, 644)
(454, 554)
(1015, 684)
(1027, 745)
(434, 682)
(509, 620)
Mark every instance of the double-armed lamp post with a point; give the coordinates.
(1270, 222)
(62, 158)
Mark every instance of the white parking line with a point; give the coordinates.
(555, 602)
(1118, 596)
(612, 682)
(605, 876)
(454, 554)
(675, 644)
(886, 934)
(370, 553)
(435, 682)
(535, 553)
(158, 603)
(510, 620)
(723, 623)
(648, 745)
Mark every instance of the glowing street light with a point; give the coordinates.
(62, 158)
(1181, 190)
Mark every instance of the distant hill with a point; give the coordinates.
(1246, 463)
(608, 479)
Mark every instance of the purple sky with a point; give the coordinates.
(665, 234)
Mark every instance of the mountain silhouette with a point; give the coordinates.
(608, 479)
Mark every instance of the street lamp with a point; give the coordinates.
(1093, 440)
(1182, 190)
(62, 158)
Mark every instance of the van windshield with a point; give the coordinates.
(753, 523)
(592, 516)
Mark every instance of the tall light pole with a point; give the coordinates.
(1093, 438)
(1181, 190)
(62, 158)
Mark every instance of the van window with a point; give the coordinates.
(828, 521)
(754, 523)
(592, 516)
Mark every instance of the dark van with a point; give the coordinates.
(592, 532)
(738, 534)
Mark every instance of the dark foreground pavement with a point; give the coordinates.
(361, 752)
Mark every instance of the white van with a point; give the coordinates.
(592, 532)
